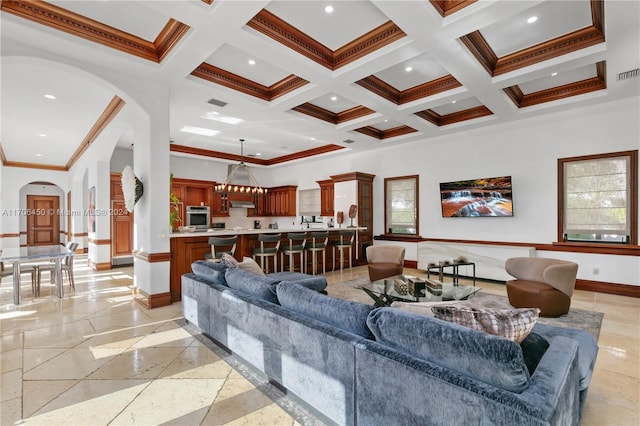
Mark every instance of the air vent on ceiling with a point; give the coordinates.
(216, 102)
(629, 74)
(348, 141)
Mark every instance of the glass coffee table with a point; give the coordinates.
(408, 288)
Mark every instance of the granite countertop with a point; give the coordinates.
(249, 231)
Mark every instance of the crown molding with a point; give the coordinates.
(567, 43)
(390, 93)
(561, 92)
(447, 7)
(385, 134)
(331, 117)
(286, 34)
(70, 22)
(455, 117)
(234, 157)
(233, 81)
(103, 121)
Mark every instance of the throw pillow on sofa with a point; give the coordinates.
(255, 285)
(210, 271)
(342, 314)
(229, 261)
(514, 324)
(250, 265)
(488, 358)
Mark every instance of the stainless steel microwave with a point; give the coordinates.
(198, 216)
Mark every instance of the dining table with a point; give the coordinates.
(18, 255)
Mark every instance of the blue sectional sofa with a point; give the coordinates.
(358, 365)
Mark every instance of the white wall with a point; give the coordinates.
(527, 150)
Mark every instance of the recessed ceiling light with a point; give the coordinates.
(334, 98)
(38, 155)
(532, 19)
(328, 9)
(252, 62)
(42, 135)
(199, 131)
(313, 139)
(258, 154)
(216, 116)
(408, 69)
(553, 74)
(49, 96)
(453, 102)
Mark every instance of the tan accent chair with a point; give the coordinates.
(385, 261)
(541, 283)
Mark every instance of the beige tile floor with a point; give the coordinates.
(97, 357)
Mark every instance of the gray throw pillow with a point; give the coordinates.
(210, 271)
(255, 285)
(345, 315)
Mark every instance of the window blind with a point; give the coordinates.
(596, 196)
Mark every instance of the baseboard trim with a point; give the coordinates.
(103, 266)
(411, 264)
(609, 288)
(152, 301)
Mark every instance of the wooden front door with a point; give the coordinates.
(122, 230)
(43, 220)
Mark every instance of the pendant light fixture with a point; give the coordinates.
(237, 171)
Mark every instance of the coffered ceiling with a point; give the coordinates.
(296, 81)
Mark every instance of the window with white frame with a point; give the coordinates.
(598, 198)
(401, 205)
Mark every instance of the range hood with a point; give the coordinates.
(242, 204)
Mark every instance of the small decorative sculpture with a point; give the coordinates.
(353, 210)
(131, 188)
(340, 218)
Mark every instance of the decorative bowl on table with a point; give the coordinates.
(187, 228)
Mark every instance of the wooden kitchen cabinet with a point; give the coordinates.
(219, 205)
(364, 201)
(278, 201)
(326, 197)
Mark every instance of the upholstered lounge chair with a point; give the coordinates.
(541, 283)
(385, 261)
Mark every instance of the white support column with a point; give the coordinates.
(78, 214)
(151, 214)
(100, 237)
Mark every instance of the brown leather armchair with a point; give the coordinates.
(385, 261)
(541, 283)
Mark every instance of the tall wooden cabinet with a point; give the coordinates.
(363, 198)
(326, 197)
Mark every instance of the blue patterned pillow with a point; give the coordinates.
(210, 271)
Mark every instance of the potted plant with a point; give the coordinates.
(174, 206)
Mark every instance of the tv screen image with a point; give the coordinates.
(487, 197)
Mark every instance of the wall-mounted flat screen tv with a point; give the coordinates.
(488, 197)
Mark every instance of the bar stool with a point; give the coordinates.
(269, 246)
(319, 241)
(346, 241)
(220, 246)
(297, 241)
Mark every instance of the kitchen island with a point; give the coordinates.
(187, 247)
